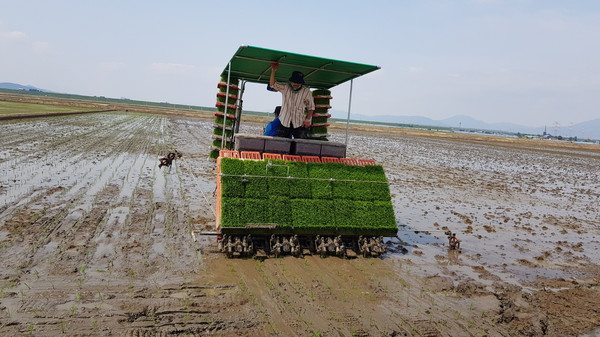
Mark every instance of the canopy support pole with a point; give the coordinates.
(238, 111)
(223, 135)
(349, 107)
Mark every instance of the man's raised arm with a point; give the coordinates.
(274, 66)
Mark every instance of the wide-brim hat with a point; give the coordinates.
(297, 77)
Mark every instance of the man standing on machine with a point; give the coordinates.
(297, 106)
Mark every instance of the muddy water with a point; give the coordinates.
(522, 214)
(96, 240)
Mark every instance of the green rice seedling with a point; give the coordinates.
(278, 186)
(361, 191)
(238, 212)
(257, 211)
(321, 92)
(219, 132)
(325, 202)
(218, 143)
(299, 188)
(361, 183)
(280, 211)
(186, 302)
(321, 188)
(232, 80)
(318, 129)
(63, 326)
(319, 120)
(321, 101)
(259, 265)
(321, 110)
(309, 216)
(31, 328)
(233, 212)
(229, 100)
(232, 91)
(219, 121)
(344, 211)
(256, 186)
(230, 110)
(232, 186)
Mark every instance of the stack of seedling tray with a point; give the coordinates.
(292, 197)
(230, 99)
(318, 128)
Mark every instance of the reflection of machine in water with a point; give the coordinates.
(453, 257)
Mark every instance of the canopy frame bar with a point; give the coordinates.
(251, 79)
(300, 66)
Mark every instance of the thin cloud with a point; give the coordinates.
(13, 36)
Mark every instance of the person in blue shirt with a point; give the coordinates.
(274, 125)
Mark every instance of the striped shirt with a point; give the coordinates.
(293, 104)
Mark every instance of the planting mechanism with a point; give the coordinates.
(278, 196)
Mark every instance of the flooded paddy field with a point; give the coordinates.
(95, 239)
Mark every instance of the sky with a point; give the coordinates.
(528, 62)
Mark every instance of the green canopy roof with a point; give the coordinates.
(253, 64)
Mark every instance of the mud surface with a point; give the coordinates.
(95, 239)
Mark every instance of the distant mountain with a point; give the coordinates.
(415, 120)
(462, 121)
(589, 129)
(15, 86)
